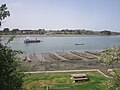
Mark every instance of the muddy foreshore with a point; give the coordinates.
(73, 60)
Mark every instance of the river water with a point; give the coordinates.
(58, 44)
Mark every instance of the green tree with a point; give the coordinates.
(41, 31)
(11, 76)
(106, 32)
(15, 31)
(3, 12)
(110, 57)
(6, 30)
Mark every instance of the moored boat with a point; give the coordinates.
(79, 44)
(28, 40)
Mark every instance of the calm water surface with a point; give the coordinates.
(56, 44)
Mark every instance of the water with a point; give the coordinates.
(56, 44)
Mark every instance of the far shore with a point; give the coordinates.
(59, 35)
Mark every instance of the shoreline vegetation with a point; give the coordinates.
(59, 35)
(72, 60)
(63, 32)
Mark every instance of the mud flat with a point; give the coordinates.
(73, 60)
(68, 56)
(84, 55)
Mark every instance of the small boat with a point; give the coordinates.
(79, 44)
(28, 40)
(31, 41)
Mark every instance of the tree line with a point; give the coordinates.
(16, 31)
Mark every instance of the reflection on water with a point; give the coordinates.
(56, 44)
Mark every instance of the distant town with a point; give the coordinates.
(7, 31)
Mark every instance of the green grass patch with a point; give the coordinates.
(63, 81)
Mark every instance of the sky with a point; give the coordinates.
(94, 15)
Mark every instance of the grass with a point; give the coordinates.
(63, 81)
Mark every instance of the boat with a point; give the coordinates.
(79, 44)
(28, 40)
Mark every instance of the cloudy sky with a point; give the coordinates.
(62, 14)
